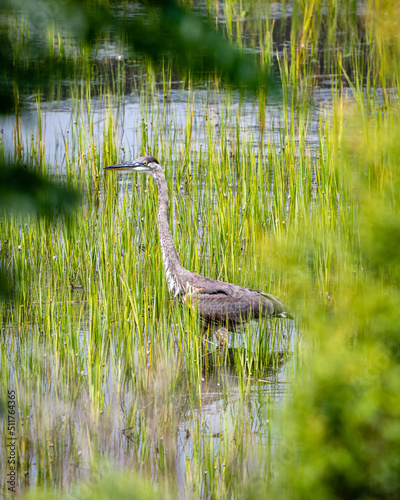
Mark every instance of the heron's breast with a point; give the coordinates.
(172, 281)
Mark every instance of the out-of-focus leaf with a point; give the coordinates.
(22, 190)
(24, 77)
(164, 28)
(192, 41)
(5, 288)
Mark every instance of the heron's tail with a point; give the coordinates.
(280, 310)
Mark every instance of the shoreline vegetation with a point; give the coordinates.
(278, 125)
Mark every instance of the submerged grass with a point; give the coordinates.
(286, 198)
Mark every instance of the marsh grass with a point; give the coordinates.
(104, 363)
(99, 355)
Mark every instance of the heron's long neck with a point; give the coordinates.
(174, 270)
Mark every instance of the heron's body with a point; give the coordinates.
(219, 304)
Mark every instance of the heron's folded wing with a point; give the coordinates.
(203, 285)
(219, 307)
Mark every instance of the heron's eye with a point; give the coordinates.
(145, 163)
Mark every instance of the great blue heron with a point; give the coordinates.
(220, 305)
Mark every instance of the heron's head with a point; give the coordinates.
(146, 164)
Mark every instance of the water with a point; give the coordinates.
(60, 124)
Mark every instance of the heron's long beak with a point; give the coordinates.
(130, 166)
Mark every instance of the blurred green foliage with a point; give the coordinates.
(341, 432)
(108, 485)
(161, 28)
(22, 190)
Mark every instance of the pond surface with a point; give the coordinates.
(60, 122)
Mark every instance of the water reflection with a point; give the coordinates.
(62, 126)
(155, 431)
